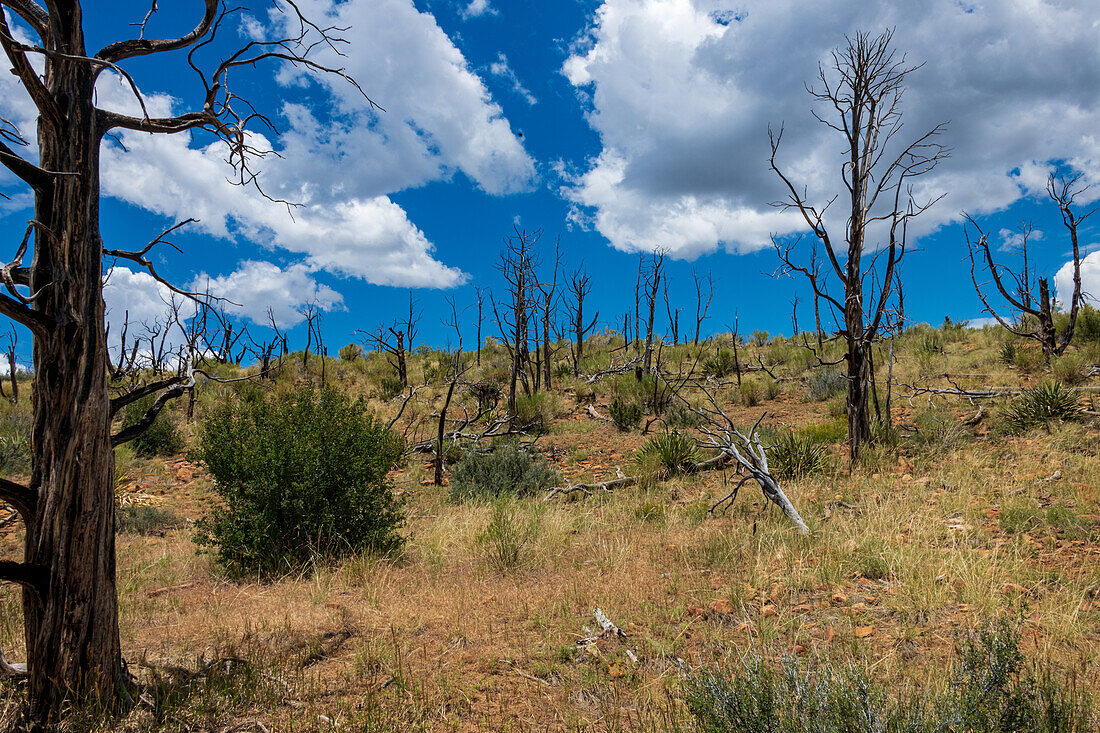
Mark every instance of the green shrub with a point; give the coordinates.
(15, 442)
(990, 691)
(673, 451)
(626, 414)
(299, 478)
(1039, 406)
(1008, 353)
(535, 412)
(390, 386)
(350, 353)
(507, 534)
(1087, 329)
(719, 365)
(487, 393)
(679, 415)
(161, 438)
(794, 455)
(752, 392)
(824, 384)
(507, 471)
(759, 338)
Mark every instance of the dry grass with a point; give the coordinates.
(922, 543)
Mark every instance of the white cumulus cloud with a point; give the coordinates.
(682, 92)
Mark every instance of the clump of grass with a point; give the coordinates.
(145, 520)
(991, 691)
(1041, 405)
(15, 442)
(625, 413)
(507, 471)
(673, 451)
(507, 534)
(794, 455)
(1069, 369)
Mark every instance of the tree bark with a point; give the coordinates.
(71, 620)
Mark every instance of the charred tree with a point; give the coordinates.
(862, 90)
(70, 606)
(1017, 289)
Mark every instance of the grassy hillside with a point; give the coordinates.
(960, 515)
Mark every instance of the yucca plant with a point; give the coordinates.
(674, 451)
(1045, 403)
(795, 455)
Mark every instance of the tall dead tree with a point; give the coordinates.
(1035, 312)
(546, 311)
(580, 286)
(70, 606)
(517, 264)
(701, 305)
(862, 92)
(13, 366)
(673, 316)
(652, 285)
(479, 293)
(390, 340)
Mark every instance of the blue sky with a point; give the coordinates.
(620, 126)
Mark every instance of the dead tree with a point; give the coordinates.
(546, 311)
(517, 264)
(652, 286)
(391, 341)
(1018, 291)
(673, 316)
(67, 575)
(13, 367)
(701, 305)
(862, 90)
(479, 293)
(751, 456)
(579, 287)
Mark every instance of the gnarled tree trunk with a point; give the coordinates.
(71, 616)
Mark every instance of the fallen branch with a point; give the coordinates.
(623, 482)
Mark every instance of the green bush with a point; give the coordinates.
(990, 691)
(299, 478)
(752, 392)
(824, 384)
(626, 414)
(507, 471)
(1087, 329)
(679, 415)
(161, 438)
(759, 338)
(719, 365)
(673, 451)
(1041, 405)
(534, 412)
(350, 353)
